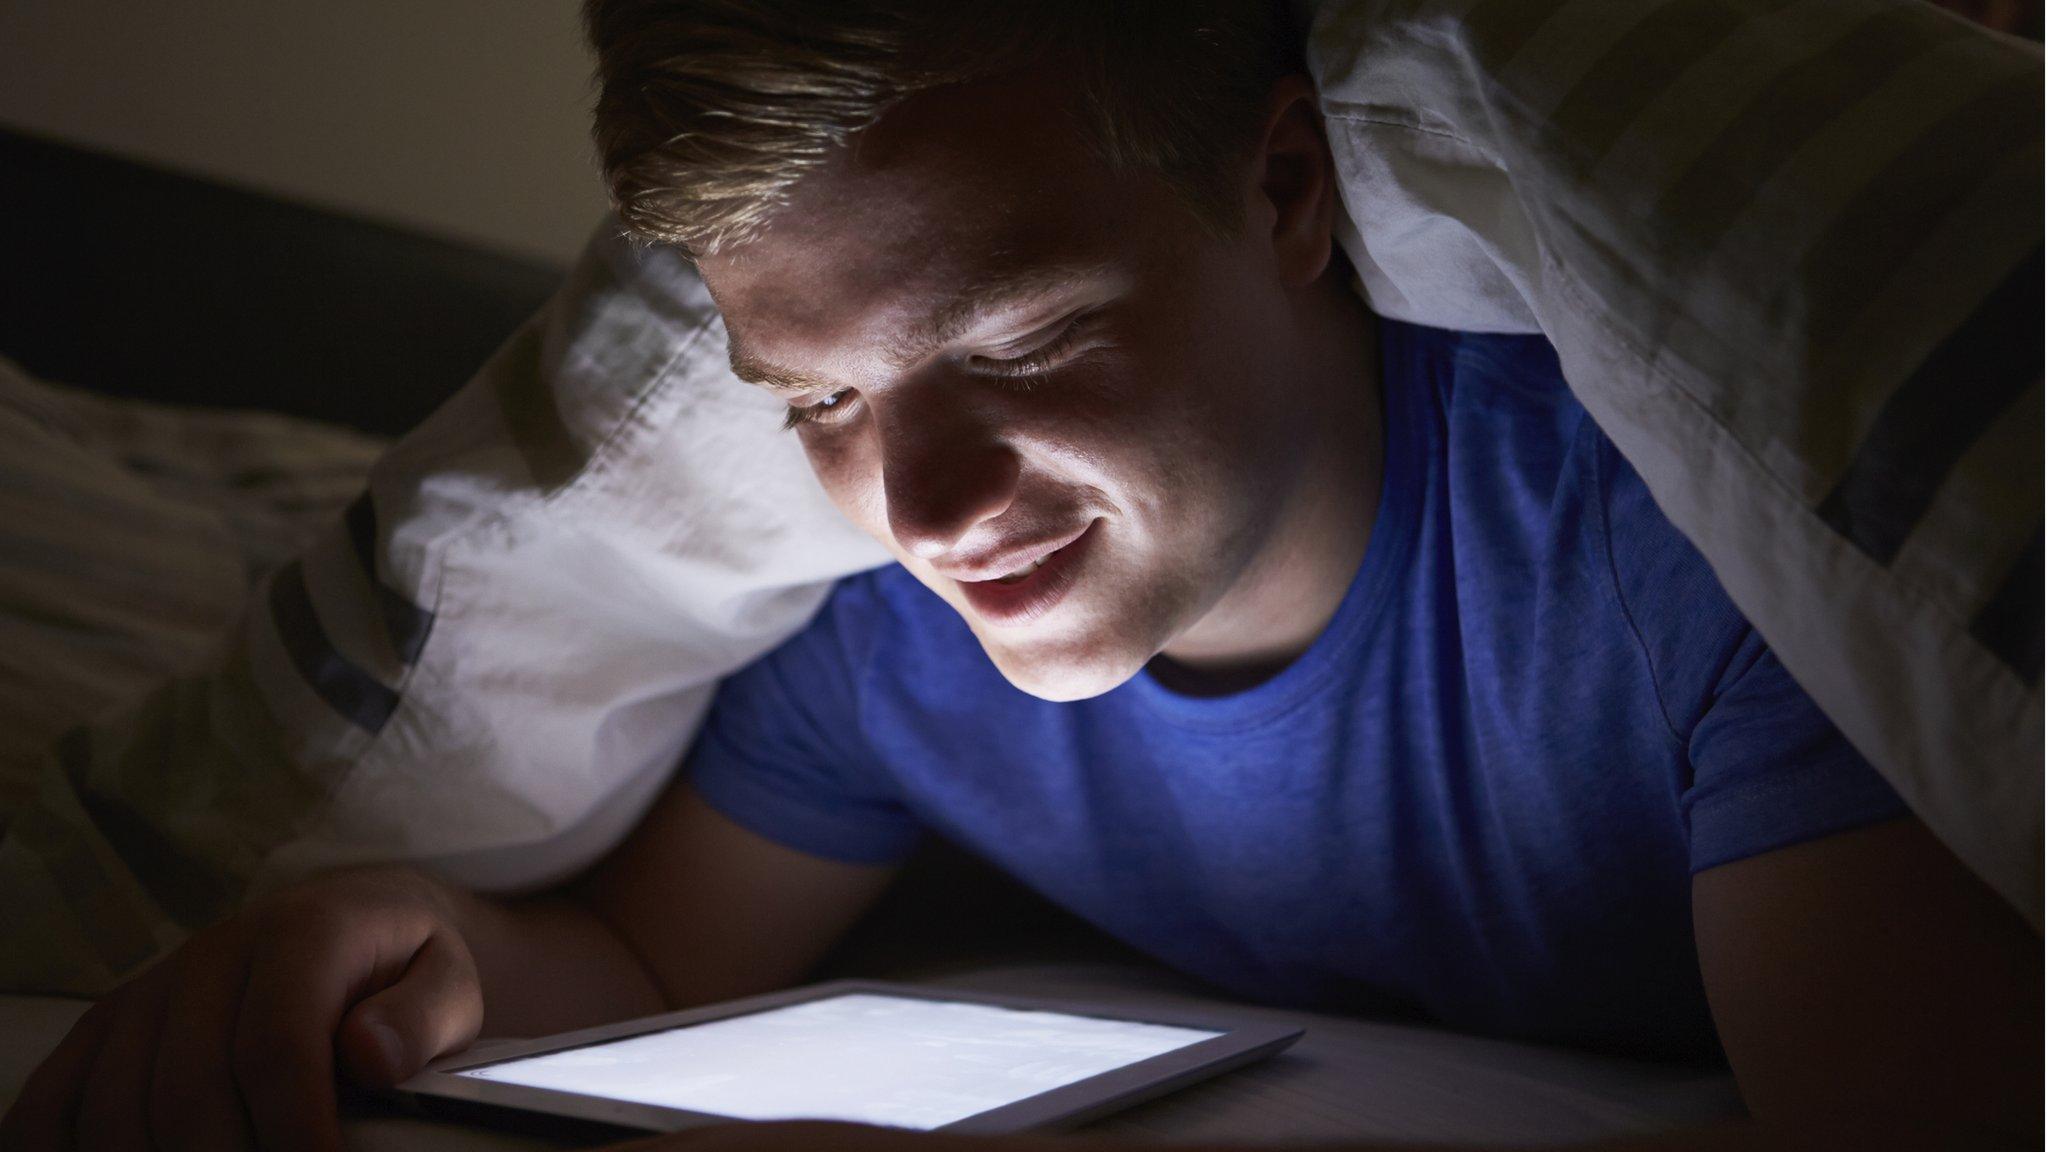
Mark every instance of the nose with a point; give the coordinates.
(943, 472)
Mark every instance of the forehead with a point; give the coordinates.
(955, 195)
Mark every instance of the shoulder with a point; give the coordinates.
(1496, 403)
(880, 616)
(884, 601)
(1519, 367)
(804, 699)
(1693, 638)
(1538, 492)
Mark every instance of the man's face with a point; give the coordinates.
(1063, 406)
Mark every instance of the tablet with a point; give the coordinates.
(875, 1053)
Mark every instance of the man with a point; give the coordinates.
(1339, 663)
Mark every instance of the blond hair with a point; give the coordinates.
(710, 111)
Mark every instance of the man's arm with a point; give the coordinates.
(1869, 980)
(690, 909)
(1870, 991)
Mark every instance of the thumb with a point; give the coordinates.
(435, 1007)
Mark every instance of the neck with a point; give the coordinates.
(1288, 592)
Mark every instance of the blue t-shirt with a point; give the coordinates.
(1481, 794)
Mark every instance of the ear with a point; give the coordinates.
(1294, 186)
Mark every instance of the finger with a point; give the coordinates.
(305, 969)
(44, 1115)
(436, 1007)
(194, 1103)
(113, 1114)
(300, 973)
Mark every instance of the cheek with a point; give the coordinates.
(849, 469)
(1113, 416)
(1158, 430)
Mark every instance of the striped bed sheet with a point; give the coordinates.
(1789, 253)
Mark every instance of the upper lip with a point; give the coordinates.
(995, 565)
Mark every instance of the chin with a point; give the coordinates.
(1064, 676)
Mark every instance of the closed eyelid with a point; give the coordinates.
(1046, 332)
(1044, 348)
(1058, 291)
(1067, 295)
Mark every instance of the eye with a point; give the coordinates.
(829, 410)
(1040, 359)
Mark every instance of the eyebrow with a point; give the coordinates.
(766, 375)
(968, 308)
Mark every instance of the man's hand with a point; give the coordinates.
(234, 1041)
(231, 1042)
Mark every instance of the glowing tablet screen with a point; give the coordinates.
(877, 1059)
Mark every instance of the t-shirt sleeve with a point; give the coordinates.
(781, 752)
(1766, 768)
(1769, 769)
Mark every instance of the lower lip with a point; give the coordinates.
(1014, 604)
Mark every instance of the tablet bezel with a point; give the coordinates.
(1237, 1044)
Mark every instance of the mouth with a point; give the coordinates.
(1024, 573)
(1031, 589)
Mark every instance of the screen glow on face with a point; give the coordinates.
(892, 1060)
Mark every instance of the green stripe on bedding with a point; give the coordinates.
(1778, 120)
(2011, 624)
(1633, 74)
(353, 693)
(1937, 414)
(1500, 28)
(47, 839)
(1877, 231)
(406, 623)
